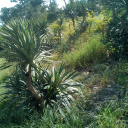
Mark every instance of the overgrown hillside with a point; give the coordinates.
(68, 68)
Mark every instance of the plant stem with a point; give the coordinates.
(30, 87)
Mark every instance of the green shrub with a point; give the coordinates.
(84, 55)
(118, 41)
(55, 86)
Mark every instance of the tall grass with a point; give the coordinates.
(50, 119)
(5, 69)
(3, 73)
(83, 51)
(92, 51)
(110, 116)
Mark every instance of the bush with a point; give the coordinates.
(90, 52)
(55, 86)
(118, 41)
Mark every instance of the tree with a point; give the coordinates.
(117, 31)
(92, 5)
(5, 17)
(82, 9)
(24, 46)
(121, 10)
(25, 9)
(71, 12)
(53, 11)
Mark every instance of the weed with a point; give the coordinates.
(90, 52)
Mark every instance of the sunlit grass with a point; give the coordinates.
(88, 53)
(4, 72)
(99, 113)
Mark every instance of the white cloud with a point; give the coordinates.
(59, 2)
(6, 3)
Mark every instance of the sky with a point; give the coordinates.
(61, 3)
(7, 3)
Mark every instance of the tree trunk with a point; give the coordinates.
(90, 27)
(30, 86)
(82, 24)
(60, 36)
(73, 20)
(69, 39)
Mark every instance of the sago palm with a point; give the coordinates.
(56, 86)
(23, 45)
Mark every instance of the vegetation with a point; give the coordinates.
(64, 67)
(92, 51)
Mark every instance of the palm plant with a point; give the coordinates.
(71, 12)
(59, 86)
(24, 46)
(55, 86)
(82, 9)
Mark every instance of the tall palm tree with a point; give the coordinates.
(71, 12)
(24, 46)
(82, 9)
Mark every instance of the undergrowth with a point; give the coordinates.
(87, 53)
(106, 81)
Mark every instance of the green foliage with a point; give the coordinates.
(53, 11)
(122, 79)
(27, 9)
(4, 69)
(1, 39)
(71, 11)
(117, 29)
(56, 120)
(114, 113)
(98, 23)
(90, 52)
(16, 94)
(5, 14)
(22, 43)
(57, 29)
(119, 5)
(118, 41)
(110, 117)
(49, 119)
(59, 86)
(56, 87)
(62, 96)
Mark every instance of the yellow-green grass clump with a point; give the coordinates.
(92, 51)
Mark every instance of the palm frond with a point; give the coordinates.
(22, 44)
